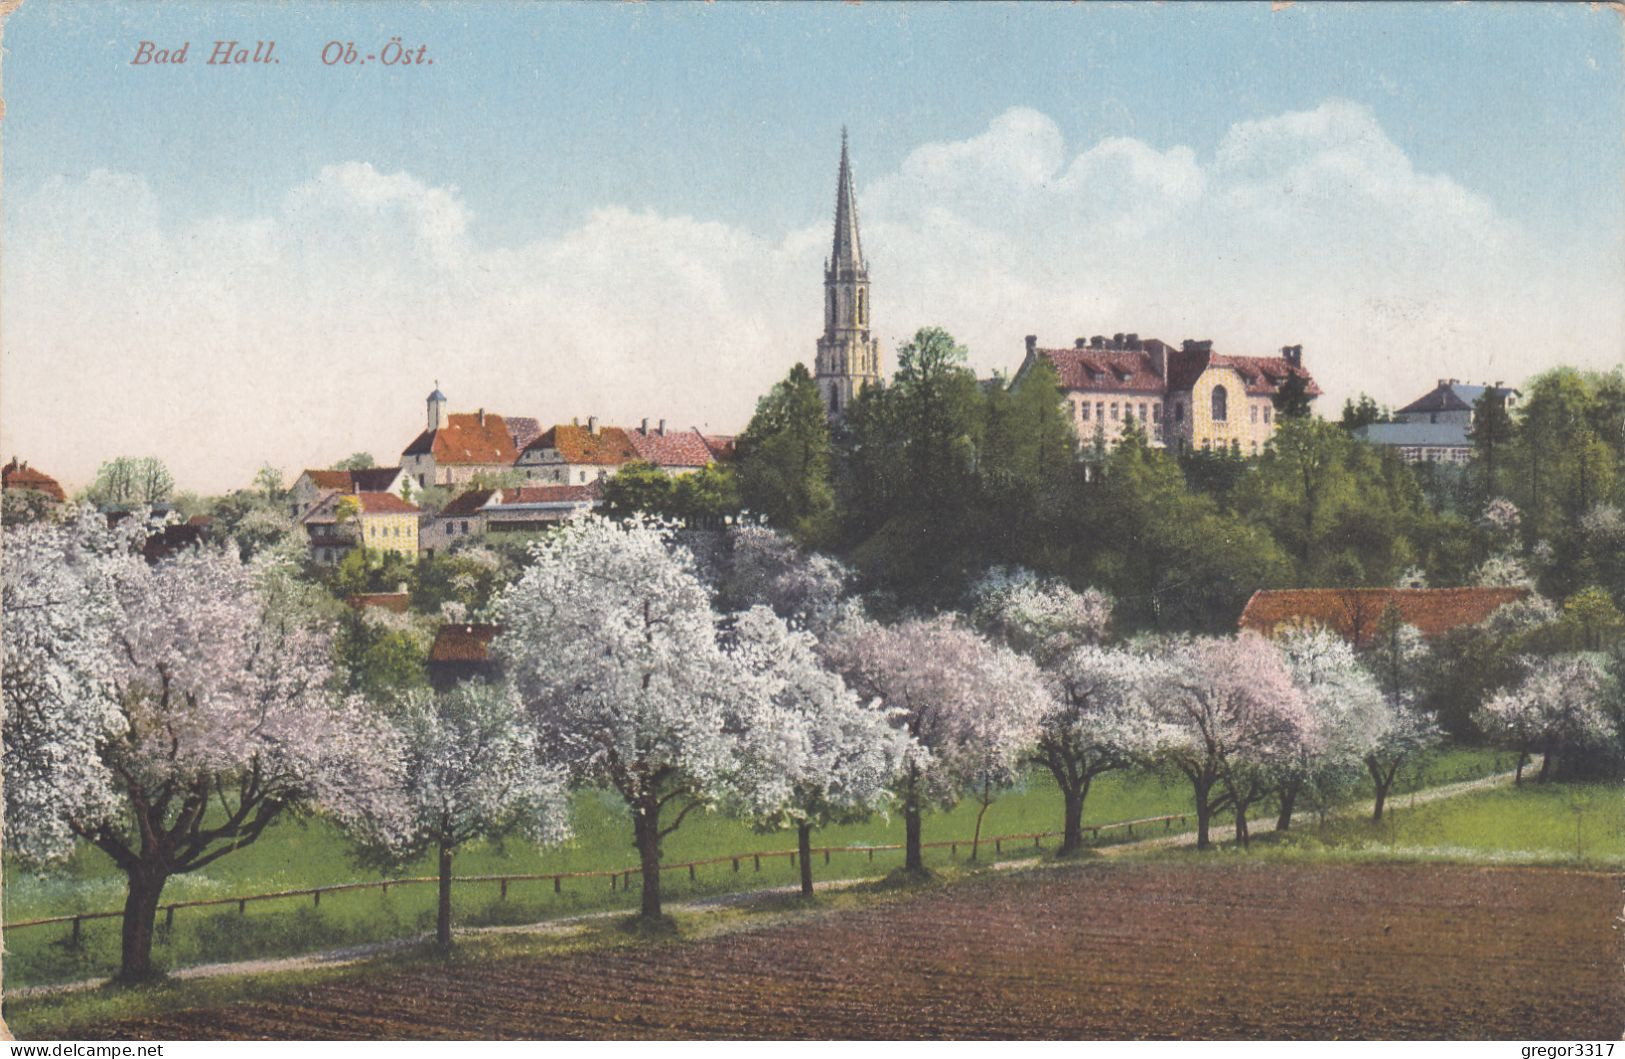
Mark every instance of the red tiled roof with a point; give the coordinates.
(385, 504)
(1354, 613)
(1264, 375)
(684, 448)
(609, 447)
(1105, 369)
(339, 480)
(551, 494)
(467, 503)
(467, 642)
(467, 438)
(366, 480)
(395, 601)
(21, 476)
(722, 446)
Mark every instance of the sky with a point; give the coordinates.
(622, 210)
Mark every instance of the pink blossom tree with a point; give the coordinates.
(211, 721)
(471, 771)
(971, 709)
(611, 641)
(819, 753)
(1225, 711)
(1557, 706)
(1398, 657)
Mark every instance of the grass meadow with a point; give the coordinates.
(298, 853)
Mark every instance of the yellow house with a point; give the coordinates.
(378, 522)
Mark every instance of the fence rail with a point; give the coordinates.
(619, 878)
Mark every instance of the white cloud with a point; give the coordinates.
(315, 328)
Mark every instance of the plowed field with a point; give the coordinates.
(1111, 951)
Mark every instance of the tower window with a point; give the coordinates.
(863, 307)
(1221, 404)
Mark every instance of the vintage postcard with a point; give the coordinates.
(803, 521)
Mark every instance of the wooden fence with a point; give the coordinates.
(619, 879)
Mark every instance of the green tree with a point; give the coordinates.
(356, 461)
(640, 488)
(1364, 413)
(132, 481)
(784, 468)
(706, 498)
(1491, 433)
(1292, 400)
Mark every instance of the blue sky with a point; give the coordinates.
(535, 119)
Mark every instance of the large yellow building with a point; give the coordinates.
(1185, 398)
(376, 522)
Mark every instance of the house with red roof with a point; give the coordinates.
(576, 454)
(20, 476)
(525, 509)
(376, 522)
(677, 451)
(1356, 613)
(454, 447)
(462, 651)
(313, 485)
(1184, 398)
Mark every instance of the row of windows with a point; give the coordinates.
(376, 531)
(1123, 411)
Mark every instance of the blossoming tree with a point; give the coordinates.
(1095, 718)
(611, 641)
(970, 708)
(1397, 657)
(1557, 706)
(1347, 709)
(1225, 711)
(821, 754)
(471, 771)
(210, 722)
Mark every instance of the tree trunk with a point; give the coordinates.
(976, 836)
(140, 913)
(1241, 825)
(1517, 777)
(1289, 798)
(646, 823)
(1204, 815)
(1381, 782)
(804, 846)
(1546, 756)
(913, 856)
(442, 924)
(1072, 829)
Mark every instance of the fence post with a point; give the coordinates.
(736, 865)
(998, 845)
(558, 884)
(242, 907)
(1167, 823)
(169, 917)
(792, 860)
(317, 902)
(504, 895)
(953, 850)
(612, 879)
(758, 859)
(691, 873)
(826, 856)
(76, 932)
(1037, 842)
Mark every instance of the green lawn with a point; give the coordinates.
(304, 853)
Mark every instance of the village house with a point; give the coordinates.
(454, 448)
(19, 476)
(1436, 427)
(525, 509)
(572, 454)
(1186, 398)
(680, 451)
(1355, 614)
(462, 651)
(313, 485)
(377, 522)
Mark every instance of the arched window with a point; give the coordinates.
(1221, 403)
(834, 402)
(863, 307)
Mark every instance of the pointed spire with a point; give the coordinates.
(847, 253)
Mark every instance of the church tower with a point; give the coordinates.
(848, 358)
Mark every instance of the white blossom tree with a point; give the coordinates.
(970, 708)
(1347, 710)
(471, 771)
(1398, 657)
(612, 643)
(763, 567)
(1226, 711)
(1557, 706)
(210, 722)
(1095, 718)
(819, 753)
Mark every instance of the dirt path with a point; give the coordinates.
(574, 924)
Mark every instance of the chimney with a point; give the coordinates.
(1293, 355)
(1159, 360)
(1132, 342)
(1080, 343)
(1117, 340)
(1032, 344)
(643, 428)
(575, 421)
(592, 424)
(1097, 342)
(662, 428)
(482, 417)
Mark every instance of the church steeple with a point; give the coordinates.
(846, 253)
(848, 357)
